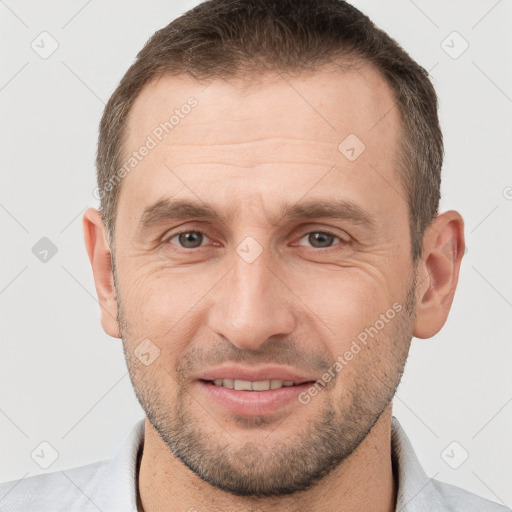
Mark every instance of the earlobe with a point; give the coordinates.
(99, 256)
(443, 248)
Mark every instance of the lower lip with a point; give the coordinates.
(253, 403)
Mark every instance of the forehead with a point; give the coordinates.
(280, 127)
(329, 101)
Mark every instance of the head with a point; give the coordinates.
(269, 177)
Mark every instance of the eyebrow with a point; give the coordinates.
(167, 209)
(334, 209)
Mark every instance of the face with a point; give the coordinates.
(258, 244)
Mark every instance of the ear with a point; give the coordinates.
(438, 272)
(99, 256)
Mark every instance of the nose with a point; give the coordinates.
(252, 304)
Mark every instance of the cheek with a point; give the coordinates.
(162, 305)
(154, 384)
(371, 360)
(345, 301)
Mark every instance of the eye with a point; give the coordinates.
(188, 239)
(193, 239)
(322, 239)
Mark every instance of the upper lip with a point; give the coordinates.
(255, 374)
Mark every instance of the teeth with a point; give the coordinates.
(247, 385)
(262, 385)
(242, 385)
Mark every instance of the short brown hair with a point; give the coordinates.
(233, 38)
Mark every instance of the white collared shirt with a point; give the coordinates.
(111, 485)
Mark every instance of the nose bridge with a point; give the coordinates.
(252, 304)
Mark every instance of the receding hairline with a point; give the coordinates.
(247, 80)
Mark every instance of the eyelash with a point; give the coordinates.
(203, 232)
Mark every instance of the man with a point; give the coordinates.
(267, 245)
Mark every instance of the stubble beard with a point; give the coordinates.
(273, 469)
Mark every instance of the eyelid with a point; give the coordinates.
(324, 231)
(168, 237)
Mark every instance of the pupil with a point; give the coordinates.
(189, 240)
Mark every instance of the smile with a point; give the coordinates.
(247, 385)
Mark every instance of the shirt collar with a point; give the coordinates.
(416, 492)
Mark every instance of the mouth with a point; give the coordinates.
(258, 385)
(245, 390)
(252, 398)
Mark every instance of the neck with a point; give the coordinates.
(364, 481)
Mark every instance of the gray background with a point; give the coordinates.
(64, 381)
